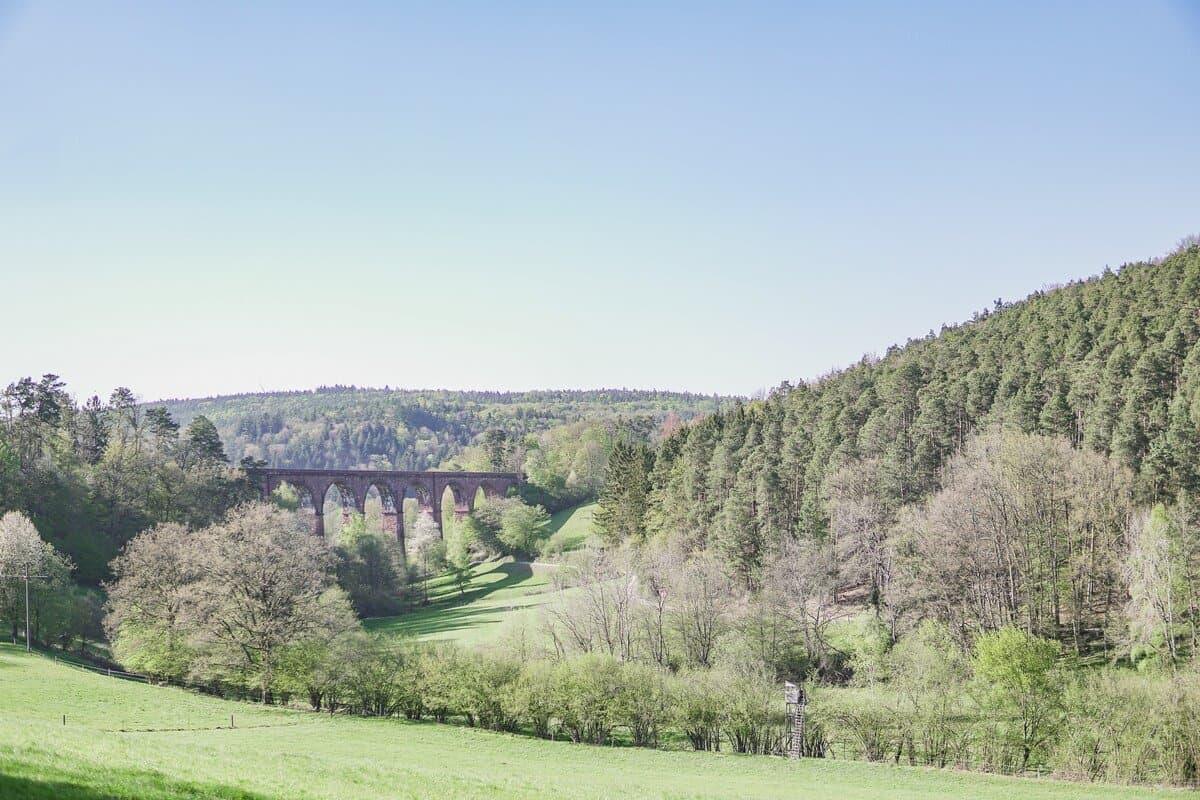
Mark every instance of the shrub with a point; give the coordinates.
(586, 690)
(871, 724)
(753, 718)
(533, 699)
(699, 708)
(1019, 686)
(1126, 727)
(644, 703)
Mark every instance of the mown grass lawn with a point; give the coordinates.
(129, 740)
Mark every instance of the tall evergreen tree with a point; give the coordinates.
(621, 512)
(203, 443)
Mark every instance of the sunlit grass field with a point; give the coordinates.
(499, 595)
(130, 740)
(571, 528)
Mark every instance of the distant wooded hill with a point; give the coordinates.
(347, 427)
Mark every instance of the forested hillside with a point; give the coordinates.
(1110, 363)
(93, 475)
(346, 427)
(999, 472)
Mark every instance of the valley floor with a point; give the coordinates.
(500, 597)
(129, 740)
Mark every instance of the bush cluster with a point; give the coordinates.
(588, 698)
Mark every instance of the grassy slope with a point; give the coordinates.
(571, 528)
(500, 594)
(126, 740)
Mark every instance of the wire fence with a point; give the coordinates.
(135, 677)
(836, 748)
(223, 690)
(112, 673)
(845, 748)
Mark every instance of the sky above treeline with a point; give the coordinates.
(214, 197)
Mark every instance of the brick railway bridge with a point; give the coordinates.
(352, 486)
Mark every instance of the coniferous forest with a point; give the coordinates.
(1107, 366)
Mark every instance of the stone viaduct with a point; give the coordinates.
(393, 486)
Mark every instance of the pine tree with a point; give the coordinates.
(621, 512)
(203, 443)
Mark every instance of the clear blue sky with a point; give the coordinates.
(208, 197)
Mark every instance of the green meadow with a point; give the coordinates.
(129, 740)
(500, 595)
(571, 528)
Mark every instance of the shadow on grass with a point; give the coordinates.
(444, 621)
(514, 572)
(140, 785)
(448, 613)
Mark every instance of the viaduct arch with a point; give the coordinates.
(354, 484)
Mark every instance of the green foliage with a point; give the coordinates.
(52, 608)
(929, 672)
(586, 697)
(523, 528)
(370, 567)
(92, 477)
(1024, 530)
(700, 708)
(1020, 683)
(458, 560)
(342, 427)
(286, 497)
(224, 604)
(203, 443)
(752, 718)
(866, 641)
(874, 728)
(1128, 728)
(1161, 569)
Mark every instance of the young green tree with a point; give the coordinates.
(930, 673)
(522, 528)
(1019, 682)
(369, 568)
(1155, 570)
(152, 586)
